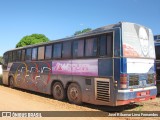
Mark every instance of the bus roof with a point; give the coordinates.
(97, 31)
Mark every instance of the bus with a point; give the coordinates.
(157, 49)
(111, 65)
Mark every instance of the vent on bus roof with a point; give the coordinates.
(103, 90)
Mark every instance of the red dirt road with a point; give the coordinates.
(22, 100)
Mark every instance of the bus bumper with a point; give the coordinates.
(136, 95)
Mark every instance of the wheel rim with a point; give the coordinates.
(74, 93)
(11, 82)
(58, 91)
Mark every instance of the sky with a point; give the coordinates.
(61, 18)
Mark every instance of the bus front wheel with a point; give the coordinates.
(11, 82)
(58, 91)
(74, 94)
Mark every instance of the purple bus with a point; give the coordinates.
(111, 65)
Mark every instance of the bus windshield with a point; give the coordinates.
(137, 41)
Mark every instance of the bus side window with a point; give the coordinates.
(78, 48)
(18, 55)
(10, 57)
(41, 53)
(57, 49)
(14, 56)
(91, 47)
(66, 52)
(23, 55)
(34, 53)
(48, 52)
(105, 45)
(5, 62)
(6, 58)
(109, 45)
(28, 54)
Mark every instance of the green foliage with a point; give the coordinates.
(83, 31)
(1, 60)
(32, 39)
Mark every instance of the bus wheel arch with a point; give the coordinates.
(57, 90)
(74, 93)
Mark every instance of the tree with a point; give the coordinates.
(32, 39)
(1, 60)
(83, 31)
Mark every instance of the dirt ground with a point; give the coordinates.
(23, 100)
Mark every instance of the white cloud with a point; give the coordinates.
(81, 24)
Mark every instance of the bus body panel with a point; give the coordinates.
(104, 80)
(137, 65)
(38, 76)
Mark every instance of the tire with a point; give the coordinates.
(58, 91)
(11, 82)
(74, 94)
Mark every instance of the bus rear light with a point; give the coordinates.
(123, 75)
(123, 85)
(123, 81)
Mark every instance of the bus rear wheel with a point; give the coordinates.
(74, 94)
(58, 91)
(11, 82)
